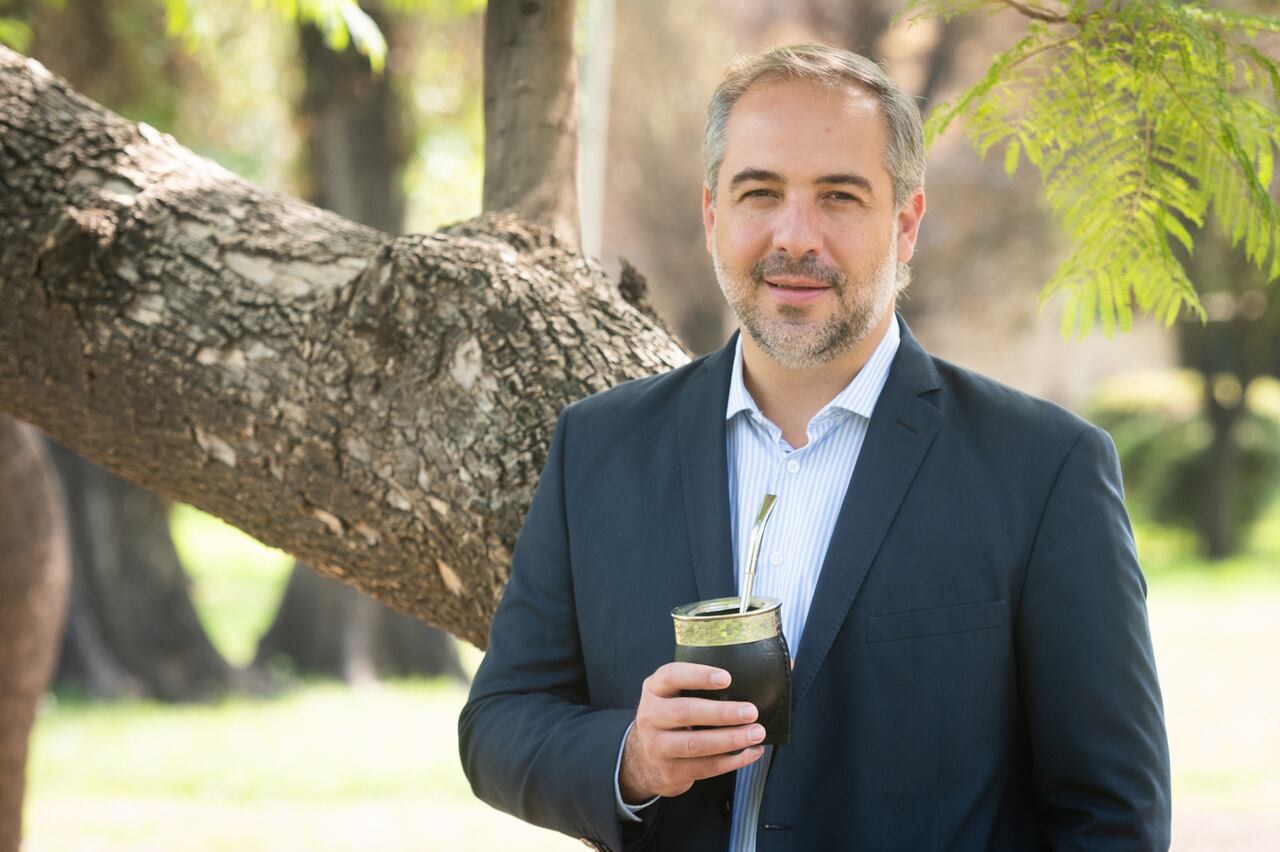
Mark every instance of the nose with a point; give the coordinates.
(797, 231)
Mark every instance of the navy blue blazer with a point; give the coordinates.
(976, 671)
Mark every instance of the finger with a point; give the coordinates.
(670, 679)
(686, 712)
(682, 745)
(709, 767)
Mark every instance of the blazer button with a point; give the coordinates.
(727, 811)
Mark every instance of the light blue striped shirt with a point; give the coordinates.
(810, 483)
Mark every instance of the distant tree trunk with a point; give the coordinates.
(356, 152)
(1240, 342)
(325, 628)
(1220, 526)
(134, 628)
(352, 130)
(531, 114)
(33, 588)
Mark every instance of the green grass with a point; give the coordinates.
(211, 750)
(322, 767)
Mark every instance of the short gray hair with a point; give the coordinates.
(827, 66)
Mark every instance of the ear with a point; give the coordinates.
(909, 216)
(708, 215)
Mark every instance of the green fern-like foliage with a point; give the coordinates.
(1141, 116)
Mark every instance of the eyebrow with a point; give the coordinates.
(766, 176)
(857, 180)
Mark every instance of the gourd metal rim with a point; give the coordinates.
(695, 626)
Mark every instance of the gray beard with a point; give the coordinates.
(797, 345)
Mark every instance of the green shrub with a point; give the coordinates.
(1162, 434)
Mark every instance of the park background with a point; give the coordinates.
(325, 743)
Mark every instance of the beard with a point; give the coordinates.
(788, 336)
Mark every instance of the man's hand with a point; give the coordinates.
(663, 756)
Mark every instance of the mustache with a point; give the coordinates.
(808, 266)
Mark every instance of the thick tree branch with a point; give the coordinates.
(378, 406)
(531, 114)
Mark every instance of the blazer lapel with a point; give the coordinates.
(704, 469)
(902, 428)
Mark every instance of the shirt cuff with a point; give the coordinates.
(627, 813)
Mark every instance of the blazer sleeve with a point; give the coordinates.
(530, 741)
(1100, 754)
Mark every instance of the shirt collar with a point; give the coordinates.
(857, 397)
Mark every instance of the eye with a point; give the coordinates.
(757, 193)
(843, 197)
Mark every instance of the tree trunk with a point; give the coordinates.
(378, 406)
(33, 589)
(350, 120)
(134, 629)
(1241, 341)
(325, 628)
(1220, 525)
(531, 114)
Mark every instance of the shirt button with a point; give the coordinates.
(776, 559)
(793, 466)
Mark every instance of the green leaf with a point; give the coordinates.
(1011, 157)
(1171, 225)
(15, 33)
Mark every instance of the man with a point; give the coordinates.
(973, 667)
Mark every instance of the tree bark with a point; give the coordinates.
(33, 589)
(378, 406)
(531, 114)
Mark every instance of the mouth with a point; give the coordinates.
(795, 290)
(795, 282)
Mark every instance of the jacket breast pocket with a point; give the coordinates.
(941, 621)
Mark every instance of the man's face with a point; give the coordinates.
(803, 233)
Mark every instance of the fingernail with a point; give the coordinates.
(747, 713)
(755, 733)
(720, 679)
